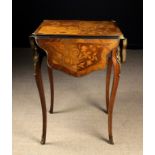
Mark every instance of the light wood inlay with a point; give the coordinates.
(77, 56)
(78, 48)
(78, 28)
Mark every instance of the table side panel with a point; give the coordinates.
(77, 56)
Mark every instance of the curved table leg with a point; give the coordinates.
(37, 58)
(50, 75)
(116, 66)
(38, 78)
(108, 75)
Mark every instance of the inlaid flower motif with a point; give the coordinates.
(87, 55)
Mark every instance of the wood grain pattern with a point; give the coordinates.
(38, 56)
(50, 75)
(116, 67)
(108, 76)
(78, 27)
(77, 56)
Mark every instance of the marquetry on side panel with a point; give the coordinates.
(77, 56)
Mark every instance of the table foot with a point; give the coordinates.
(42, 141)
(51, 111)
(111, 141)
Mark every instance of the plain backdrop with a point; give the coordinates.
(27, 15)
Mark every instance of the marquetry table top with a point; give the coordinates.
(79, 28)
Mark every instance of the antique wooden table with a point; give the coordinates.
(78, 48)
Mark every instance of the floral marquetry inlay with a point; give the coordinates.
(77, 56)
(78, 27)
(78, 47)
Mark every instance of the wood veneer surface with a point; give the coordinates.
(78, 28)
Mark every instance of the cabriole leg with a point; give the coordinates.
(37, 58)
(116, 65)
